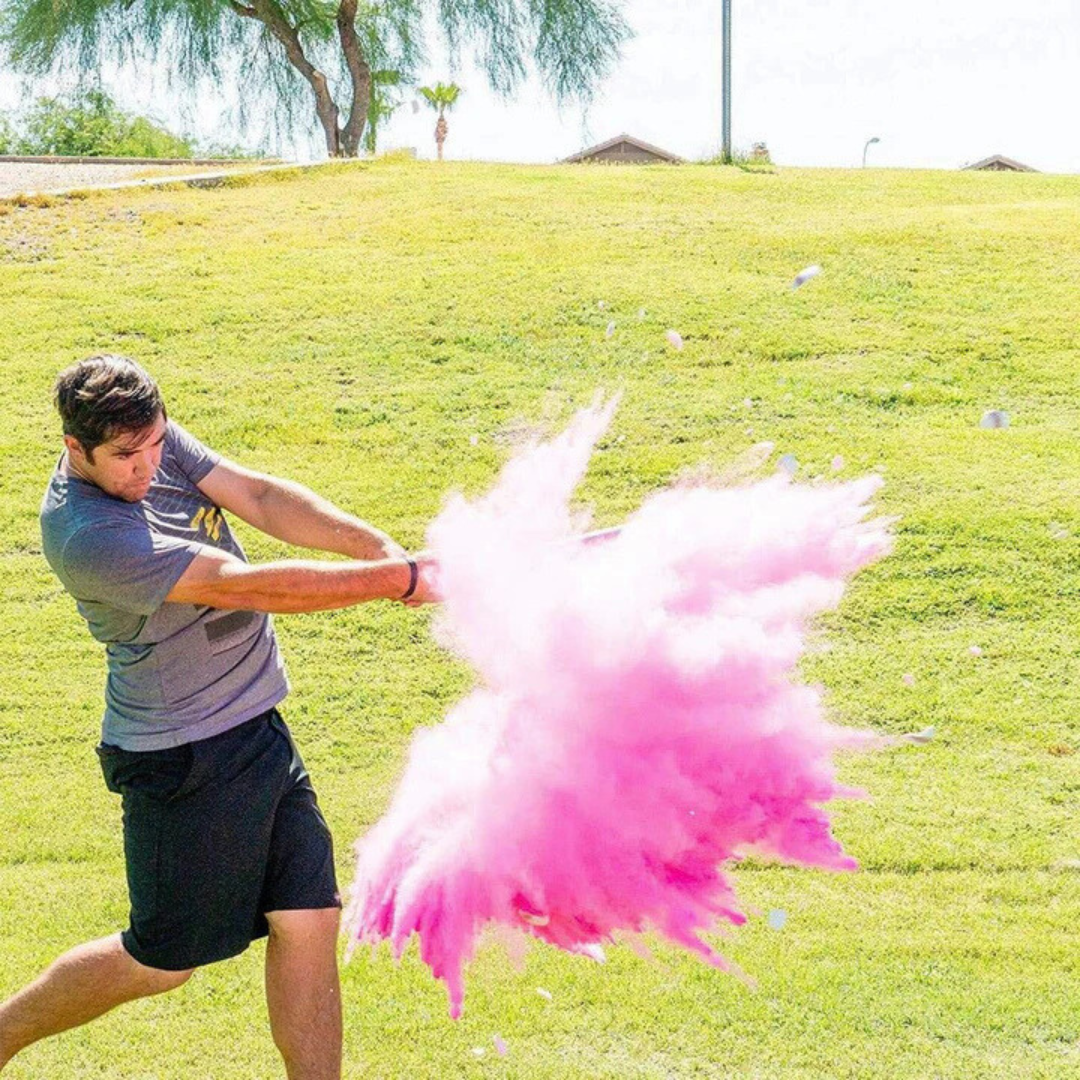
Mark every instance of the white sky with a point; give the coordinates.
(941, 82)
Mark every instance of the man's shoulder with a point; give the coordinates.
(71, 516)
(188, 454)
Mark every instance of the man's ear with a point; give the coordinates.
(76, 452)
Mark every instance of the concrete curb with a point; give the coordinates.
(217, 178)
(59, 159)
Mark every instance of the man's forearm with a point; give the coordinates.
(296, 585)
(295, 514)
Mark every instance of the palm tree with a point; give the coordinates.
(441, 96)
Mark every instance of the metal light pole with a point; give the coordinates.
(725, 149)
(869, 143)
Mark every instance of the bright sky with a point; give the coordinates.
(940, 82)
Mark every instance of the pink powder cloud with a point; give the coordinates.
(638, 723)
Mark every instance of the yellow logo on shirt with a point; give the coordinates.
(210, 519)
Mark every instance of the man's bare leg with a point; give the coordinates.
(303, 992)
(83, 984)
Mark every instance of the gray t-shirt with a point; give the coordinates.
(177, 672)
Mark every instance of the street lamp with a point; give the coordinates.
(725, 147)
(869, 143)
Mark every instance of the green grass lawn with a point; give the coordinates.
(354, 328)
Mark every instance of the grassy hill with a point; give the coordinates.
(356, 328)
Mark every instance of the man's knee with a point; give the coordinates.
(309, 923)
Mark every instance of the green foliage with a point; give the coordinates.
(94, 126)
(441, 96)
(383, 104)
(356, 339)
(9, 137)
(230, 150)
(572, 43)
(745, 160)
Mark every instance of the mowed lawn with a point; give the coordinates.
(355, 328)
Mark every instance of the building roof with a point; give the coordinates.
(1003, 162)
(582, 155)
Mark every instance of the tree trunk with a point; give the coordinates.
(359, 76)
(273, 18)
(441, 129)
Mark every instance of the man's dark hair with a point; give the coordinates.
(104, 396)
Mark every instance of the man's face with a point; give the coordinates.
(125, 465)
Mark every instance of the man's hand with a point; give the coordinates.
(427, 582)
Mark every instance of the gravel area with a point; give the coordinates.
(25, 178)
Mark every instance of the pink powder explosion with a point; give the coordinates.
(638, 722)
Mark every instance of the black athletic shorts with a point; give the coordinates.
(216, 834)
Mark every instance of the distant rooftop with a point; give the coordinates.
(1000, 163)
(623, 150)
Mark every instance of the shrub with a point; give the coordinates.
(93, 126)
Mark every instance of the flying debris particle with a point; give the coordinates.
(789, 463)
(995, 418)
(610, 332)
(975, 650)
(593, 951)
(919, 738)
(803, 276)
(777, 919)
(674, 340)
(545, 994)
(908, 680)
(748, 462)
(837, 463)
(500, 1045)
(534, 918)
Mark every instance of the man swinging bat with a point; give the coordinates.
(223, 838)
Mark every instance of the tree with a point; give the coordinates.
(382, 106)
(8, 137)
(330, 46)
(441, 96)
(95, 126)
